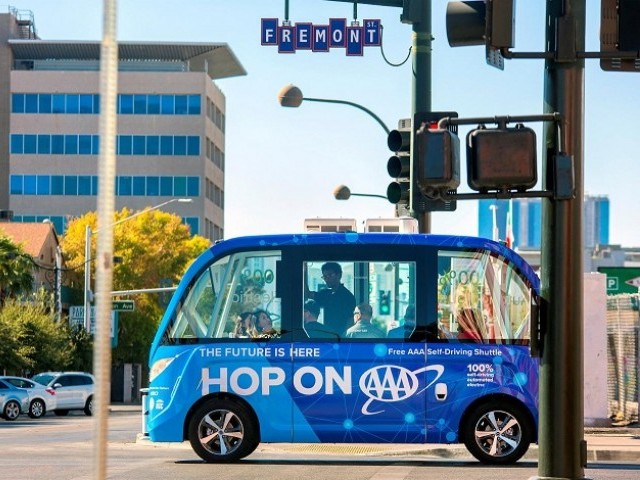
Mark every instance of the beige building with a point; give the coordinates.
(40, 242)
(171, 127)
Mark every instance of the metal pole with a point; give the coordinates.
(352, 104)
(58, 283)
(421, 89)
(562, 453)
(104, 256)
(87, 276)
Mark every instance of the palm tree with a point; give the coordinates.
(16, 270)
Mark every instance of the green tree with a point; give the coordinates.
(13, 358)
(38, 342)
(16, 270)
(154, 246)
(82, 347)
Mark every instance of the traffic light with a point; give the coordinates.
(482, 22)
(437, 154)
(501, 159)
(407, 167)
(399, 166)
(619, 32)
(436, 162)
(384, 302)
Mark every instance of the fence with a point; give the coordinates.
(623, 352)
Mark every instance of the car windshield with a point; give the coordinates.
(43, 378)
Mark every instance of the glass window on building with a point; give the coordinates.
(139, 145)
(31, 103)
(180, 145)
(153, 186)
(71, 144)
(17, 143)
(193, 145)
(30, 185)
(84, 144)
(16, 184)
(193, 186)
(96, 103)
(166, 104)
(125, 186)
(180, 186)
(30, 144)
(139, 186)
(182, 105)
(153, 145)
(153, 104)
(140, 104)
(126, 105)
(44, 144)
(71, 185)
(194, 104)
(58, 223)
(17, 103)
(57, 185)
(44, 103)
(57, 144)
(166, 186)
(125, 144)
(94, 185)
(84, 185)
(95, 144)
(194, 225)
(43, 184)
(73, 103)
(58, 103)
(86, 103)
(166, 145)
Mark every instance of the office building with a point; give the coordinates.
(170, 126)
(526, 221)
(596, 221)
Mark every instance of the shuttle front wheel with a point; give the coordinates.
(223, 430)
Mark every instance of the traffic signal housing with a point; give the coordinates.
(436, 161)
(501, 159)
(482, 22)
(619, 32)
(399, 166)
(384, 302)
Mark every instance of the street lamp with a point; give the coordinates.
(87, 253)
(342, 192)
(291, 96)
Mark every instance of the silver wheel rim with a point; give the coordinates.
(37, 409)
(12, 411)
(498, 433)
(221, 432)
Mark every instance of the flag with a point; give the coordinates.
(509, 239)
(494, 232)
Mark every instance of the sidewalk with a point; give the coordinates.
(603, 444)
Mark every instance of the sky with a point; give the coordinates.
(282, 164)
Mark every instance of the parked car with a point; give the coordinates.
(74, 390)
(41, 399)
(13, 401)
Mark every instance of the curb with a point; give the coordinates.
(447, 452)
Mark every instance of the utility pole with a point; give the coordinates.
(421, 87)
(418, 14)
(562, 452)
